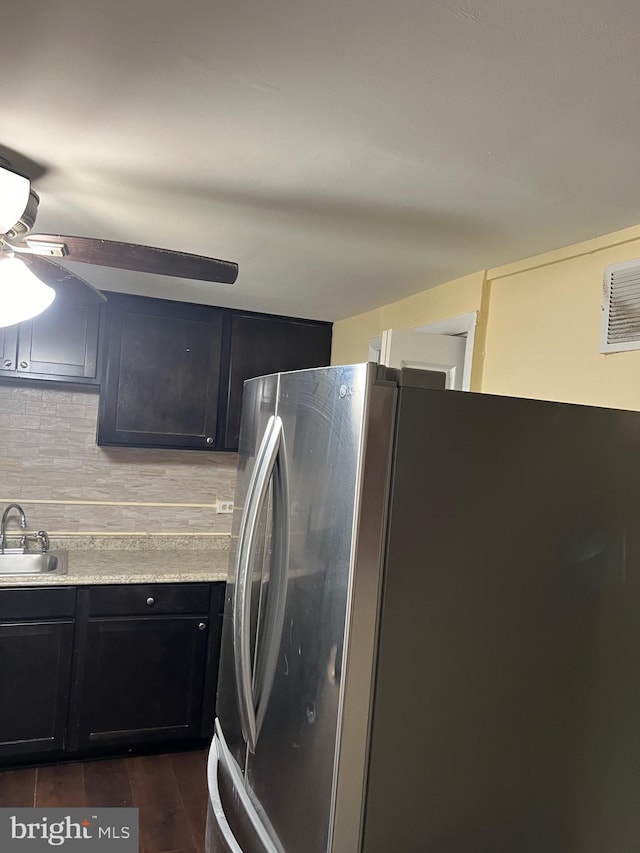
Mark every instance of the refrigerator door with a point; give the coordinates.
(507, 698)
(258, 413)
(292, 774)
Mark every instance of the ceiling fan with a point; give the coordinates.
(29, 276)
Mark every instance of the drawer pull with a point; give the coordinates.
(151, 601)
(202, 626)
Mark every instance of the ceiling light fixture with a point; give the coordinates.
(14, 195)
(22, 294)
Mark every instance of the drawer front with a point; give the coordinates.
(147, 599)
(37, 603)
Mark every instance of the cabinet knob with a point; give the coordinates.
(202, 626)
(7, 362)
(209, 440)
(151, 601)
(24, 364)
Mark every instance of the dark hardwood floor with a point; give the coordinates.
(170, 791)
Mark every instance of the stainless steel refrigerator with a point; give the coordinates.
(431, 636)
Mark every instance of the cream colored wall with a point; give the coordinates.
(543, 327)
(538, 325)
(351, 336)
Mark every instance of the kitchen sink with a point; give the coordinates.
(52, 562)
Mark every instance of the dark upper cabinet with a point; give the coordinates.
(173, 371)
(8, 349)
(161, 373)
(262, 344)
(60, 344)
(170, 373)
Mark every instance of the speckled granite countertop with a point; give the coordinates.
(104, 560)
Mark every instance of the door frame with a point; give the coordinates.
(463, 326)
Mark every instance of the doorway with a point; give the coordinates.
(445, 346)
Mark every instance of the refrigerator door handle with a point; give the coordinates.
(221, 763)
(222, 831)
(271, 636)
(256, 495)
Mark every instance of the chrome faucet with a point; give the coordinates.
(3, 526)
(43, 538)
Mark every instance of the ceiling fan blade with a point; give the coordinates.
(129, 256)
(19, 162)
(68, 286)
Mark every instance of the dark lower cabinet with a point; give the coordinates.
(106, 669)
(36, 642)
(145, 658)
(142, 679)
(35, 675)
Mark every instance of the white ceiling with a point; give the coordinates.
(344, 152)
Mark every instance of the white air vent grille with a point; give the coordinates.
(620, 329)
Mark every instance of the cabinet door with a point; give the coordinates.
(35, 672)
(262, 345)
(62, 342)
(160, 387)
(8, 349)
(140, 680)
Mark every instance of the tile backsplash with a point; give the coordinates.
(51, 465)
